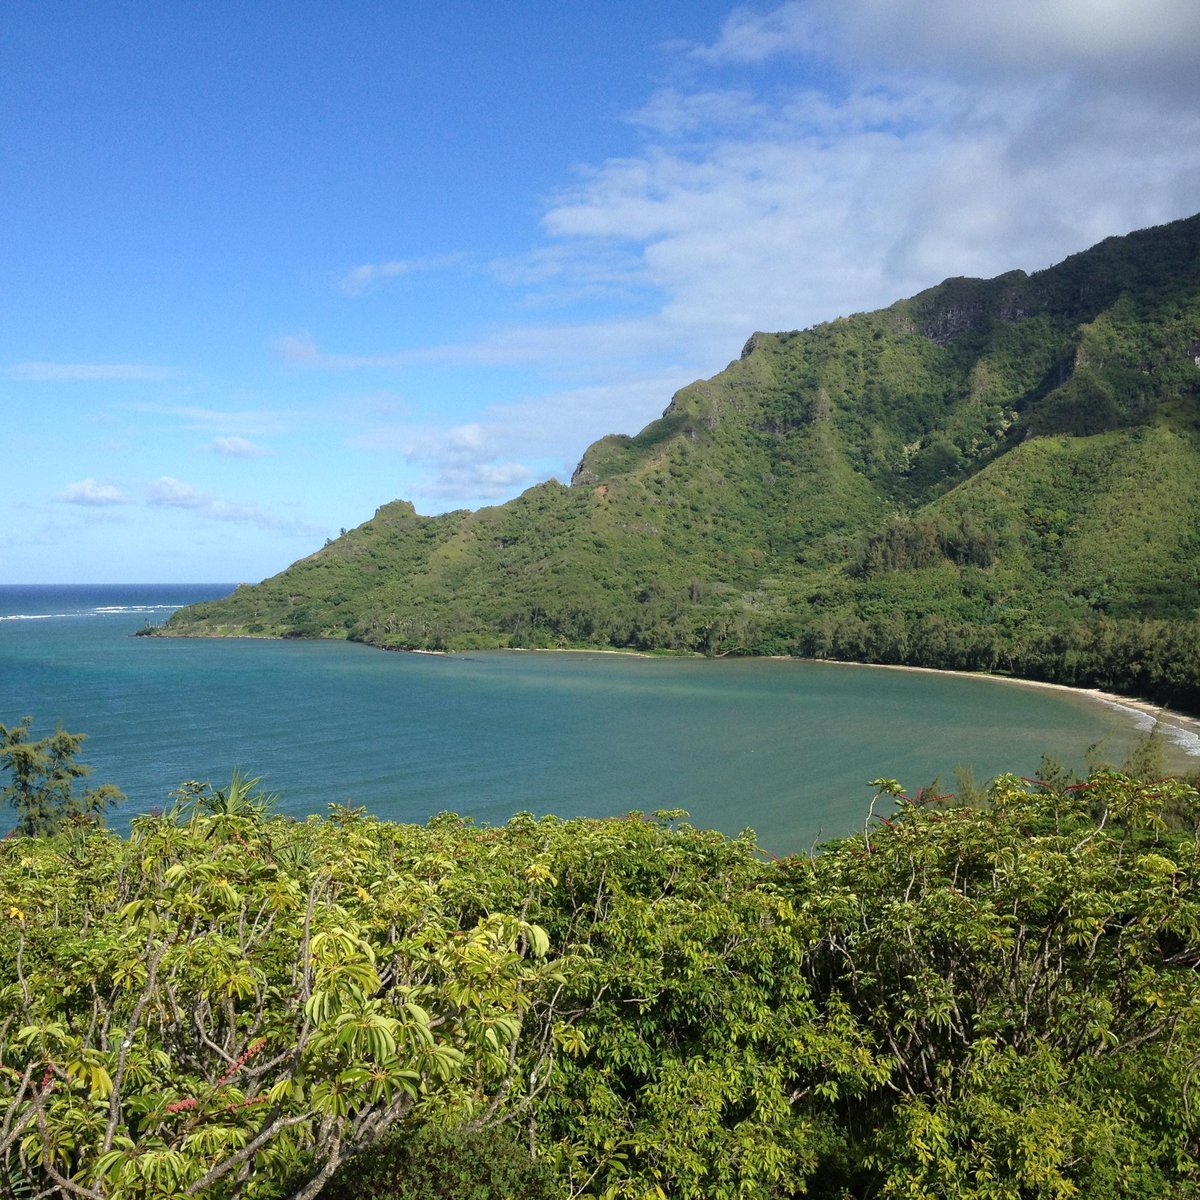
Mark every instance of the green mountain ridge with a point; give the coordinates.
(994, 474)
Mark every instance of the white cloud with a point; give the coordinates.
(90, 493)
(814, 160)
(753, 37)
(477, 481)
(238, 447)
(1137, 40)
(466, 440)
(467, 459)
(251, 420)
(1131, 44)
(48, 372)
(168, 492)
(368, 276)
(466, 464)
(461, 445)
(673, 112)
(879, 164)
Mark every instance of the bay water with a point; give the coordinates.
(784, 747)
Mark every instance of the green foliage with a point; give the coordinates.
(960, 480)
(225, 1001)
(441, 1164)
(15, 1184)
(43, 779)
(1000, 1000)
(695, 1025)
(1018, 964)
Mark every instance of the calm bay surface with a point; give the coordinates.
(783, 747)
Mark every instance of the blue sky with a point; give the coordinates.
(266, 267)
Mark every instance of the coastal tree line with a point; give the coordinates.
(1156, 660)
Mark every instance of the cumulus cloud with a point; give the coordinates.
(463, 446)
(476, 481)
(48, 372)
(466, 462)
(91, 493)
(168, 492)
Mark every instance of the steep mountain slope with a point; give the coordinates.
(993, 473)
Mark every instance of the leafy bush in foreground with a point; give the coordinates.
(225, 1001)
(1000, 1002)
(441, 1164)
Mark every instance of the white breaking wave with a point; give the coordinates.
(1142, 720)
(105, 610)
(136, 608)
(1186, 739)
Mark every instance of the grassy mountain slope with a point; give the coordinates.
(989, 474)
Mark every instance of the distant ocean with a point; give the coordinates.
(784, 747)
(152, 602)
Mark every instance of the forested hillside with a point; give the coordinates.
(995, 474)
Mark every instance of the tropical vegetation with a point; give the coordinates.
(993, 475)
(995, 995)
(44, 776)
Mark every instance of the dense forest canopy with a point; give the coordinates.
(995, 474)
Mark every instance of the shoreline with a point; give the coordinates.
(1148, 715)
(1158, 714)
(1151, 715)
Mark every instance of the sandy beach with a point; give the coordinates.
(1181, 732)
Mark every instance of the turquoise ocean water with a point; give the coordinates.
(784, 747)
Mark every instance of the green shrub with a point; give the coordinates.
(445, 1164)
